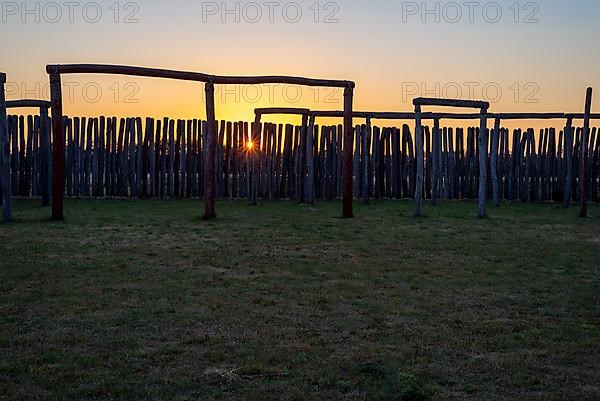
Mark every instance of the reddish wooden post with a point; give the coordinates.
(45, 156)
(583, 163)
(420, 161)
(209, 167)
(58, 147)
(348, 165)
(483, 157)
(5, 184)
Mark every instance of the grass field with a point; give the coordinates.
(135, 300)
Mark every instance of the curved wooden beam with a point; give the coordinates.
(13, 104)
(474, 104)
(281, 110)
(192, 76)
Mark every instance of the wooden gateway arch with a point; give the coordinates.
(55, 72)
(5, 178)
(45, 143)
(483, 144)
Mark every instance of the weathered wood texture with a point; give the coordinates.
(147, 158)
(192, 76)
(584, 156)
(5, 184)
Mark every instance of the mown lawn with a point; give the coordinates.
(142, 300)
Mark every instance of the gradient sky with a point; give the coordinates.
(392, 54)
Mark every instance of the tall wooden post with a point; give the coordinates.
(255, 140)
(209, 166)
(365, 157)
(310, 161)
(420, 161)
(5, 183)
(348, 165)
(436, 141)
(483, 157)
(494, 162)
(583, 158)
(568, 140)
(45, 156)
(58, 147)
(303, 162)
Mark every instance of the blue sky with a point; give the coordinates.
(385, 46)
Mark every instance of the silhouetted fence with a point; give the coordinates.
(110, 157)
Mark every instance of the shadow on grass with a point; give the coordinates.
(385, 383)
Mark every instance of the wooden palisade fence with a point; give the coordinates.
(148, 158)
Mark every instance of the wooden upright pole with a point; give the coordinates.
(494, 162)
(303, 156)
(310, 161)
(483, 157)
(367, 133)
(255, 141)
(58, 148)
(436, 153)
(568, 155)
(5, 184)
(348, 165)
(583, 164)
(45, 156)
(209, 167)
(420, 160)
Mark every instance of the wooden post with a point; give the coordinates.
(303, 159)
(139, 154)
(356, 172)
(568, 151)
(209, 169)
(45, 156)
(494, 162)
(583, 162)
(310, 161)
(436, 142)
(367, 131)
(5, 184)
(348, 154)
(420, 160)
(254, 162)
(170, 159)
(58, 148)
(483, 157)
